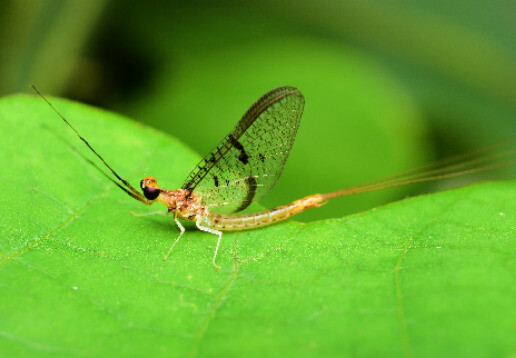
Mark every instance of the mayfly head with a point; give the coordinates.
(150, 188)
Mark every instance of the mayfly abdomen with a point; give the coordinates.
(262, 218)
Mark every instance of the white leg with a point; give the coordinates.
(177, 240)
(148, 214)
(214, 232)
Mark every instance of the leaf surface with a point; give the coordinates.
(80, 276)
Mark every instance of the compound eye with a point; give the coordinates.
(150, 192)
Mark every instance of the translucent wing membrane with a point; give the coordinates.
(247, 163)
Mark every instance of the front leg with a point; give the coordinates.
(149, 214)
(182, 229)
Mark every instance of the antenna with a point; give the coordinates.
(128, 188)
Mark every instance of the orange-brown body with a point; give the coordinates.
(188, 206)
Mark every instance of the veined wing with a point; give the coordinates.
(249, 160)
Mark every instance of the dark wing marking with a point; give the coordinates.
(252, 185)
(249, 160)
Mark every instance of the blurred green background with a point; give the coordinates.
(389, 85)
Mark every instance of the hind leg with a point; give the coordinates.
(214, 232)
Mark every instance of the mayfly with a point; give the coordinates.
(247, 163)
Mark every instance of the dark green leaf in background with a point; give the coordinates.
(389, 84)
(358, 122)
(79, 276)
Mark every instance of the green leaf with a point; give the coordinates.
(429, 276)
